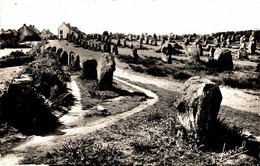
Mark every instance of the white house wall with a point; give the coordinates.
(66, 30)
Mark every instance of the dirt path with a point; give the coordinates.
(45, 143)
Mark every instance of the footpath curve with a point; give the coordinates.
(45, 143)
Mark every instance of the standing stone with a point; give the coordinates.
(107, 48)
(228, 42)
(59, 51)
(232, 39)
(131, 45)
(186, 41)
(135, 55)
(207, 47)
(105, 69)
(124, 45)
(64, 58)
(155, 42)
(205, 42)
(115, 49)
(90, 69)
(197, 104)
(242, 39)
(130, 37)
(194, 52)
(85, 44)
(141, 41)
(167, 51)
(76, 65)
(223, 44)
(211, 52)
(224, 59)
(99, 37)
(150, 42)
(118, 43)
(146, 40)
(242, 53)
(71, 56)
(221, 38)
(53, 49)
(252, 44)
(138, 37)
(189, 38)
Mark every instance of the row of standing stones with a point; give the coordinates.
(102, 71)
(197, 103)
(221, 57)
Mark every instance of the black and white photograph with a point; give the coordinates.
(130, 82)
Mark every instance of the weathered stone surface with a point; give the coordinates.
(228, 41)
(146, 40)
(242, 52)
(71, 57)
(115, 50)
(242, 39)
(198, 104)
(134, 54)
(194, 52)
(59, 51)
(64, 58)
(211, 51)
(224, 59)
(76, 65)
(105, 69)
(124, 45)
(223, 44)
(207, 47)
(118, 43)
(131, 45)
(107, 47)
(53, 49)
(90, 69)
(155, 42)
(252, 44)
(167, 52)
(141, 41)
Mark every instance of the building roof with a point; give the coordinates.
(13, 31)
(27, 33)
(35, 29)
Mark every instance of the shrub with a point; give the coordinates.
(182, 75)
(126, 58)
(87, 152)
(240, 80)
(142, 145)
(138, 68)
(156, 71)
(15, 59)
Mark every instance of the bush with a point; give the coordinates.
(138, 68)
(156, 71)
(240, 80)
(88, 152)
(182, 75)
(47, 73)
(15, 59)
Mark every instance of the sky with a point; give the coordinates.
(133, 16)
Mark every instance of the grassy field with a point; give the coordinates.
(153, 136)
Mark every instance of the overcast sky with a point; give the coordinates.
(134, 16)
